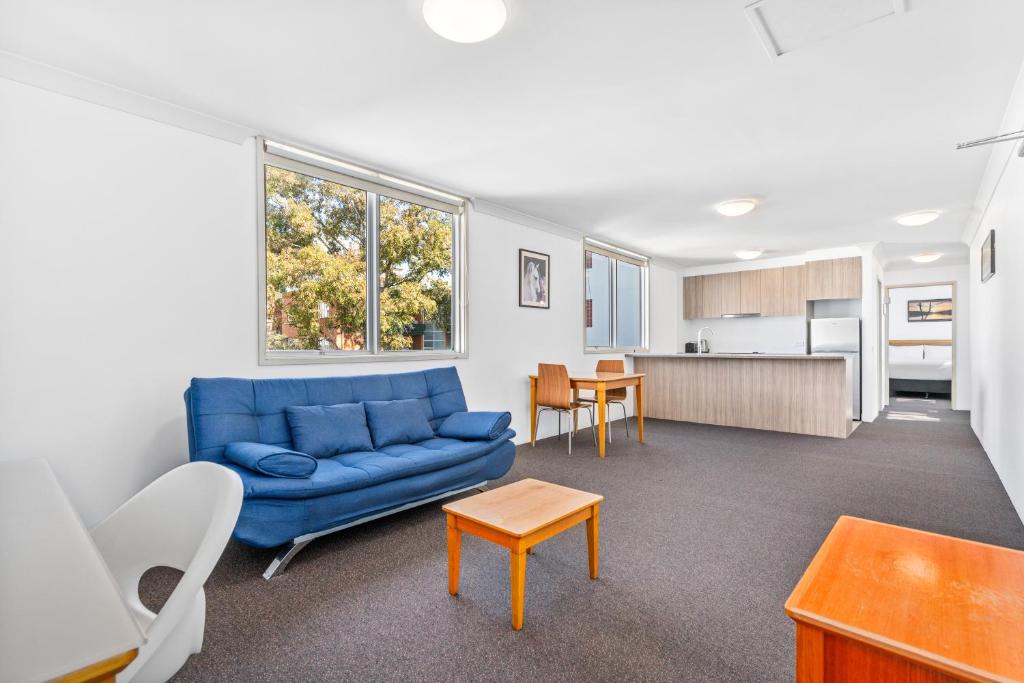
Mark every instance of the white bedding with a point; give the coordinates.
(929, 361)
(921, 369)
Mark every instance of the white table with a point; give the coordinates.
(60, 610)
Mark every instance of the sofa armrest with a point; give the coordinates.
(475, 425)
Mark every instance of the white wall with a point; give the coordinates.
(128, 266)
(872, 358)
(901, 328)
(997, 331)
(959, 275)
(666, 309)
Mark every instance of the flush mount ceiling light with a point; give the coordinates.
(918, 218)
(736, 207)
(926, 257)
(465, 21)
(747, 254)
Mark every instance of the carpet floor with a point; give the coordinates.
(704, 532)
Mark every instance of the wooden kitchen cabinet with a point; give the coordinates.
(751, 287)
(783, 291)
(767, 291)
(834, 278)
(693, 297)
(772, 293)
(732, 293)
(794, 290)
(720, 294)
(711, 296)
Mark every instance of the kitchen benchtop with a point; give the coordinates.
(754, 356)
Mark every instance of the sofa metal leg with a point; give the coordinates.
(285, 556)
(292, 548)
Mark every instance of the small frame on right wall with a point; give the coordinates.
(988, 256)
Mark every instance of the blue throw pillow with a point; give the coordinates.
(394, 422)
(475, 425)
(273, 461)
(325, 431)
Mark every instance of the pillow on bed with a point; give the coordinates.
(905, 354)
(938, 352)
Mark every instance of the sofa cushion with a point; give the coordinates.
(273, 461)
(361, 469)
(397, 422)
(475, 425)
(323, 431)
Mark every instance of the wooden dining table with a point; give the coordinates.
(599, 383)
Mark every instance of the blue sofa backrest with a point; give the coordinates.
(225, 409)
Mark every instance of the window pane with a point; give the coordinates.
(415, 265)
(598, 301)
(316, 263)
(627, 305)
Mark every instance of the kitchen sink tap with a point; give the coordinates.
(700, 346)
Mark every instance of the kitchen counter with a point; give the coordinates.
(755, 356)
(794, 393)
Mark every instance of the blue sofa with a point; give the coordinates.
(345, 489)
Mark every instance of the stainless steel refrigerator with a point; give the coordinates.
(840, 336)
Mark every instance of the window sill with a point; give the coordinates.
(314, 358)
(606, 351)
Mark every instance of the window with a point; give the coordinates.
(355, 265)
(615, 299)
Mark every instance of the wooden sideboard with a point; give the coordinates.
(771, 291)
(885, 603)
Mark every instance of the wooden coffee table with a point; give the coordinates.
(519, 516)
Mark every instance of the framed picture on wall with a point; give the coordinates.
(929, 310)
(988, 256)
(534, 276)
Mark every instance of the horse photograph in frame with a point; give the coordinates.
(534, 276)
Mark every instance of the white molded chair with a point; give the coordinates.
(182, 520)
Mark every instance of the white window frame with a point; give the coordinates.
(374, 184)
(618, 254)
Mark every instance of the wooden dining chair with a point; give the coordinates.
(612, 396)
(554, 393)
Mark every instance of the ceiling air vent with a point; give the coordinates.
(786, 25)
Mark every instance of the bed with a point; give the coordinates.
(924, 366)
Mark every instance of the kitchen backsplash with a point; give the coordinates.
(744, 335)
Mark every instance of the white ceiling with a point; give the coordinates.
(897, 256)
(621, 119)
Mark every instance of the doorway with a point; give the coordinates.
(920, 345)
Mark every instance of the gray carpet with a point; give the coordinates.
(704, 532)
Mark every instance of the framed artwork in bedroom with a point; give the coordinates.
(534, 276)
(988, 256)
(929, 310)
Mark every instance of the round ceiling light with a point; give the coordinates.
(747, 254)
(926, 257)
(918, 218)
(736, 207)
(465, 21)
